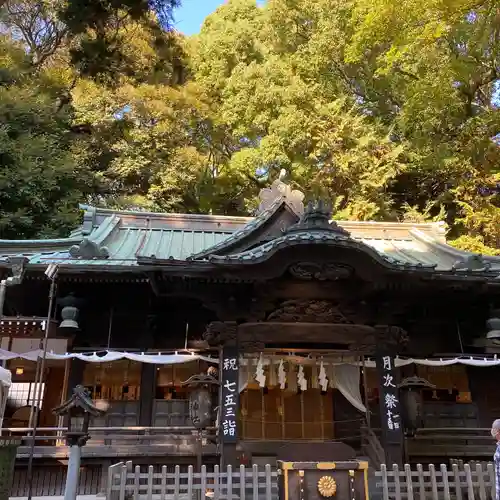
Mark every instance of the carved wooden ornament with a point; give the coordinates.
(309, 311)
(281, 191)
(321, 272)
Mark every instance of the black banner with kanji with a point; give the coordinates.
(390, 408)
(230, 395)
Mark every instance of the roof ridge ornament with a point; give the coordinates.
(89, 219)
(88, 249)
(472, 263)
(280, 190)
(317, 217)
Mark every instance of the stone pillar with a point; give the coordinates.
(73, 472)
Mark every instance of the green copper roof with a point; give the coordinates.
(121, 238)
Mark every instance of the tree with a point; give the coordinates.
(443, 58)
(252, 62)
(152, 143)
(41, 179)
(389, 107)
(390, 110)
(69, 139)
(97, 30)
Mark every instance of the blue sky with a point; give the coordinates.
(189, 17)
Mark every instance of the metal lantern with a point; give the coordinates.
(200, 407)
(411, 396)
(200, 399)
(69, 312)
(79, 408)
(78, 422)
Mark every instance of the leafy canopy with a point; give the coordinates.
(389, 109)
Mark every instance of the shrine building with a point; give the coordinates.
(378, 338)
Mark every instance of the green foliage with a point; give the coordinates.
(99, 44)
(473, 244)
(387, 108)
(41, 180)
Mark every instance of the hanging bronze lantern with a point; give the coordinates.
(200, 399)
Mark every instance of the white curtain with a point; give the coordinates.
(177, 358)
(156, 359)
(346, 379)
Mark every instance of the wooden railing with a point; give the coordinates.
(115, 441)
(451, 443)
(371, 447)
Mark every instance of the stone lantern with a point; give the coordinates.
(79, 408)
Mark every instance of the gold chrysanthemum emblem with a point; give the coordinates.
(327, 486)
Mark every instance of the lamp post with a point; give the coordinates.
(79, 408)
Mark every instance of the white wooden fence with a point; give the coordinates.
(469, 482)
(126, 482)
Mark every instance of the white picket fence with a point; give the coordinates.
(126, 482)
(469, 482)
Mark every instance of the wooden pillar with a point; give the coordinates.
(54, 380)
(390, 406)
(76, 369)
(147, 394)
(75, 377)
(148, 378)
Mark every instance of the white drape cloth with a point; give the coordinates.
(108, 356)
(172, 359)
(470, 361)
(370, 363)
(346, 379)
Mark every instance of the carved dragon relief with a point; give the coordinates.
(308, 311)
(221, 332)
(321, 272)
(391, 337)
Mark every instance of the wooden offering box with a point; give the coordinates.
(323, 480)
